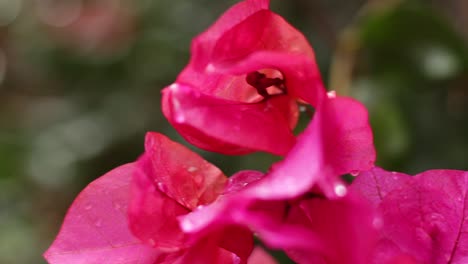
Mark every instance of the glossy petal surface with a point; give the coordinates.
(96, 230)
(230, 127)
(180, 173)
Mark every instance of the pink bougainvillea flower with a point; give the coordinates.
(278, 207)
(424, 218)
(172, 181)
(338, 141)
(168, 181)
(96, 230)
(310, 229)
(238, 93)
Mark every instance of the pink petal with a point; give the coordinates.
(345, 227)
(203, 45)
(376, 183)
(180, 173)
(207, 252)
(96, 230)
(264, 40)
(238, 240)
(230, 127)
(265, 218)
(152, 214)
(260, 256)
(241, 179)
(427, 219)
(338, 141)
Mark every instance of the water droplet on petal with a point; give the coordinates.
(192, 169)
(302, 108)
(186, 225)
(331, 94)
(210, 68)
(354, 173)
(174, 86)
(180, 118)
(340, 190)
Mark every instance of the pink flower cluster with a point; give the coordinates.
(239, 94)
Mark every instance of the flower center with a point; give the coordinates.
(261, 82)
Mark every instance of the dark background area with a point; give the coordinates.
(80, 85)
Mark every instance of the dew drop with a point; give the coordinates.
(210, 68)
(192, 169)
(186, 225)
(331, 94)
(302, 108)
(180, 118)
(354, 173)
(174, 87)
(340, 190)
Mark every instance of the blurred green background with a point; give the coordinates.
(80, 85)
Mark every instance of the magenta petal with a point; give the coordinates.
(265, 218)
(230, 127)
(345, 226)
(376, 183)
(426, 218)
(152, 214)
(203, 45)
(96, 230)
(180, 173)
(260, 256)
(338, 141)
(238, 240)
(262, 31)
(241, 179)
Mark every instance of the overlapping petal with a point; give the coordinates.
(96, 230)
(376, 183)
(180, 173)
(231, 127)
(337, 141)
(247, 39)
(424, 217)
(345, 226)
(170, 181)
